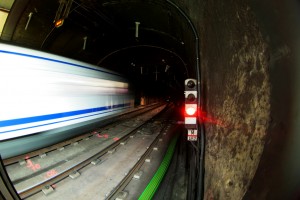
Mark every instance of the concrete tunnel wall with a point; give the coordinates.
(250, 83)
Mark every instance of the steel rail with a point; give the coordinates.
(47, 183)
(38, 152)
(134, 169)
(126, 180)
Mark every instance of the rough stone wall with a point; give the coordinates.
(235, 62)
(235, 77)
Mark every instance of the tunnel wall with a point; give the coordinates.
(235, 61)
(278, 174)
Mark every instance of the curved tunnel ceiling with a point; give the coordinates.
(160, 53)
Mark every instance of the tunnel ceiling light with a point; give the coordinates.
(29, 18)
(84, 42)
(167, 68)
(59, 23)
(156, 74)
(137, 29)
(62, 12)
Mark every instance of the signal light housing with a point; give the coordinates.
(191, 107)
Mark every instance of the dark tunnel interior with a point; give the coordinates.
(154, 56)
(245, 51)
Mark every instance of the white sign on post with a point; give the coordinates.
(192, 135)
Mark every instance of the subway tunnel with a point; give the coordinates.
(243, 53)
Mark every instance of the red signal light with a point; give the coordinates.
(191, 109)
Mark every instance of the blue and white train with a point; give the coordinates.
(51, 98)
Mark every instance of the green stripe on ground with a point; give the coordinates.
(160, 173)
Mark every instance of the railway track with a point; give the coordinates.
(40, 173)
(111, 123)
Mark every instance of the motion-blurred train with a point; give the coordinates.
(47, 98)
